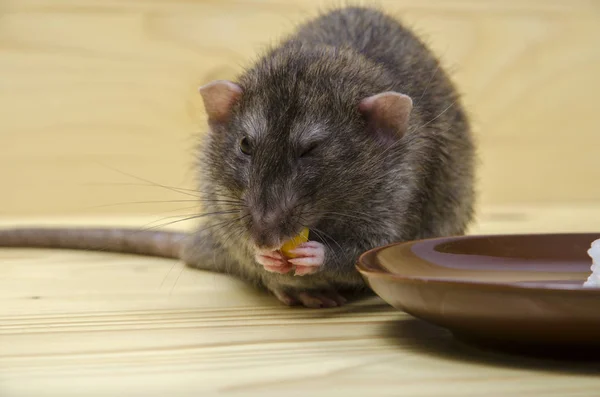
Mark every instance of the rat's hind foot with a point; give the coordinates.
(308, 298)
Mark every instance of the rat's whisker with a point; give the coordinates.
(219, 192)
(179, 209)
(137, 184)
(361, 216)
(391, 171)
(218, 225)
(326, 243)
(178, 190)
(177, 279)
(186, 218)
(325, 237)
(196, 200)
(379, 159)
(234, 233)
(167, 275)
(225, 196)
(196, 215)
(238, 219)
(320, 234)
(436, 117)
(428, 84)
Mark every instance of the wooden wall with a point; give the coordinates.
(93, 89)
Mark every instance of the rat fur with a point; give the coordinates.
(368, 179)
(350, 127)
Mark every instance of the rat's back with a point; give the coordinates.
(369, 31)
(379, 37)
(386, 41)
(414, 70)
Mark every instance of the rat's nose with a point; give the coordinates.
(266, 230)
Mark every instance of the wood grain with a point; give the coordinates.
(90, 86)
(97, 324)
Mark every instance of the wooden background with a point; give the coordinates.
(92, 89)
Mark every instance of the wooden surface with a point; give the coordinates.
(89, 86)
(96, 324)
(94, 90)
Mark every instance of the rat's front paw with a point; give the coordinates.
(309, 258)
(273, 262)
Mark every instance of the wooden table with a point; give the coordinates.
(92, 324)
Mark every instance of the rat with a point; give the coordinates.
(349, 127)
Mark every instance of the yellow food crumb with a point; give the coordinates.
(294, 242)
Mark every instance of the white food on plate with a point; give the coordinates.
(594, 278)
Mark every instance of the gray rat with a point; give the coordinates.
(350, 128)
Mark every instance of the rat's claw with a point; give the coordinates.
(312, 299)
(304, 270)
(276, 255)
(282, 269)
(310, 257)
(284, 297)
(273, 262)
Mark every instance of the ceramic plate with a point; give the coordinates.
(516, 289)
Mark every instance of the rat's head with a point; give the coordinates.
(297, 141)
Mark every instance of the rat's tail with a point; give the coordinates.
(130, 241)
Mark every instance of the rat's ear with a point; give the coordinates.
(387, 114)
(218, 97)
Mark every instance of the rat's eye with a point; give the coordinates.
(245, 146)
(309, 149)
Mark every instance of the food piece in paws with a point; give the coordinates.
(294, 242)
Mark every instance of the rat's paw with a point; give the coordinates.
(312, 299)
(273, 262)
(309, 258)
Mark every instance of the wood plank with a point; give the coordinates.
(98, 324)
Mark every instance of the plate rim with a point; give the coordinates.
(464, 283)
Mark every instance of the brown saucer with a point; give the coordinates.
(506, 289)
